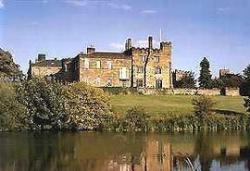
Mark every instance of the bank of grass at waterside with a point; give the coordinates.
(139, 121)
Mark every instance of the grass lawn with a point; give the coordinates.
(173, 104)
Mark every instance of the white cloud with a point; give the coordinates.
(222, 10)
(117, 46)
(98, 3)
(148, 11)
(77, 2)
(1, 4)
(120, 6)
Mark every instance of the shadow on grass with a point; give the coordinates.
(227, 112)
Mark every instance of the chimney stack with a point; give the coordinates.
(150, 42)
(128, 44)
(90, 50)
(41, 57)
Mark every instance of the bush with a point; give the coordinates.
(86, 106)
(12, 113)
(203, 106)
(44, 102)
(247, 104)
(136, 119)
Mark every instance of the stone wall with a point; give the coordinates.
(42, 71)
(108, 74)
(208, 92)
(232, 92)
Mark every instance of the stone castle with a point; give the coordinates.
(135, 67)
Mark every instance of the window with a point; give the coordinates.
(124, 73)
(158, 70)
(98, 64)
(86, 63)
(140, 69)
(143, 58)
(139, 83)
(109, 65)
(92, 64)
(157, 59)
(158, 84)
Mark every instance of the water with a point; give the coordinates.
(92, 151)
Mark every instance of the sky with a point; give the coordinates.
(217, 29)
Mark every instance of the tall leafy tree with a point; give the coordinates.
(187, 81)
(205, 79)
(44, 103)
(246, 73)
(245, 86)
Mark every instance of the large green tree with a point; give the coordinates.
(245, 86)
(205, 79)
(12, 113)
(44, 102)
(8, 68)
(246, 73)
(187, 81)
(86, 107)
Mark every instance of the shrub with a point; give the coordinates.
(203, 106)
(247, 104)
(136, 119)
(12, 113)
(86, 106)
(44, 102)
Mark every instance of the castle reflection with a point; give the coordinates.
(124, 152)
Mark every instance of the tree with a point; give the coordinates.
(86, 106)
(217, 83)
(247, 104)
(246, 73)
(205, 80)
(136, 119)
(187, 81)
(8, 68)
(12, 113)
(245, 86)
(44, 102)
(203, 105)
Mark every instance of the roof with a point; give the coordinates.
(48, 63)
(113, 55)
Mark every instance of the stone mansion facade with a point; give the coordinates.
(147, 67)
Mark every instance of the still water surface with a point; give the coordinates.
(92, 151)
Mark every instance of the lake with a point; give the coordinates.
(95, 151)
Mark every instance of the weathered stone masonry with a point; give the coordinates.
(135, 67)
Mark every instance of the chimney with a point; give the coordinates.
(128, 44)
(41, 57)
(90, 50)
(150, 42)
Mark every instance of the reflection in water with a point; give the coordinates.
(90, 151)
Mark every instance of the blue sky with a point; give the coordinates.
(219, 29)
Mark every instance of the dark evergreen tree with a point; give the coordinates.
(246, 73)
(205, 79)
(245, 86)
